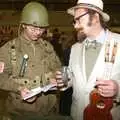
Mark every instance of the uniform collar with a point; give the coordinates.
(26, 41)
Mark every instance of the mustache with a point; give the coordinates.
(81, 36)
(79, 29)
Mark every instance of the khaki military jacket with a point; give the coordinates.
(82, 84)
(41, 65)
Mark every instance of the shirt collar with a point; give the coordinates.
(101, 37)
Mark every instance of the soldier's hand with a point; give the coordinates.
(59, 80)
(2, 67)
(25, 91)
(53, 81)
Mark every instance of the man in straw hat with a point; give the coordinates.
(90, 62)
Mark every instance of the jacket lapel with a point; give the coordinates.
(97, 70)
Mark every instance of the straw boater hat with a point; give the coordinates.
(96, 5)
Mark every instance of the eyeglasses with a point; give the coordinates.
(33, 28)
(78, 18)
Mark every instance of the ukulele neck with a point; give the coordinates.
(110, 53)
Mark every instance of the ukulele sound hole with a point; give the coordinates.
(100, 104)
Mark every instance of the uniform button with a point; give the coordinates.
(25, 82)
(33, 65)
(45, 44)
(17, 97)
(34, 81)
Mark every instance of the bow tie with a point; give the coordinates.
(91, 44)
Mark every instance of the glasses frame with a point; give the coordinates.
(35, 28)
(78, 18)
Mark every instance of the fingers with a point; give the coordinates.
(101, 82)
(107, 88)
(105, 92)
(59, 80)
(53, 81)
(58, 75)
(2, 64)
(25, 91)
(30, 100)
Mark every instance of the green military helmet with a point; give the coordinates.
(35, 14)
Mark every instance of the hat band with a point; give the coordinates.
(89, 5)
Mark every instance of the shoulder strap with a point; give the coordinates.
(13, 57)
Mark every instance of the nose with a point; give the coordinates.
(76, 26)
(38, 31)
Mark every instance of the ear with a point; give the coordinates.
(96, 18)
(23, 26)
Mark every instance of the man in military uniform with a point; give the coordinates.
(29, 62)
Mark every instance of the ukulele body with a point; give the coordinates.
(99, 107)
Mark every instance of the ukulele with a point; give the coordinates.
(99, 107)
